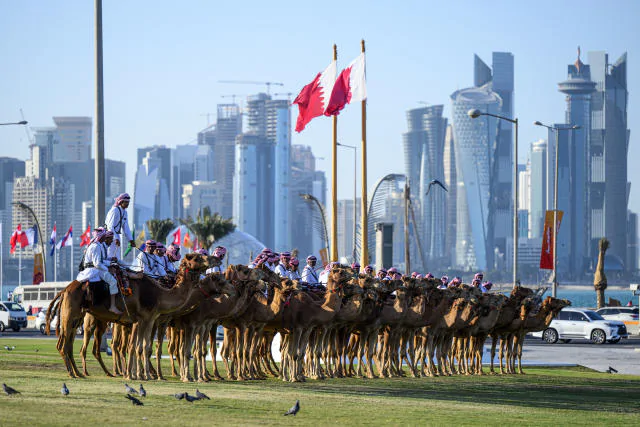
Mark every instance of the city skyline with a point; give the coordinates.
(159, 83)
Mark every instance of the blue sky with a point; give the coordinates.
(163, 61)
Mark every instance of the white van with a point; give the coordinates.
(12, 315)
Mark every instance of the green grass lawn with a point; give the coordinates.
(544, 396)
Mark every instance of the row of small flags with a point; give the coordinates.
(29, 237)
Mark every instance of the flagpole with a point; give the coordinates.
(364, 228)
(20, 266)
(55, 264)
(71, 263)
(1, 263)
(334, 183)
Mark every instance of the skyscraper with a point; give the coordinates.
(450, 181)
(73, 139)
(474, 153)
(152, 194)
(537, 188)
(573, 155)
(609, 142)
(501, 77)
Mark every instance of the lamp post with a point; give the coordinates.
(23, 122)
(355, 211)
(311, 198)
(556, 130)
(474, 114)
(35, 218)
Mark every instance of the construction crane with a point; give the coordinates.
(232, 96)
(250, 82)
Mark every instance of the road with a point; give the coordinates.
(622, 356)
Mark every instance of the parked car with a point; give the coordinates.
(582, 323)
(12, 315)
(41, 323)
(623, 314)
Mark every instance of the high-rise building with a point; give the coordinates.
(501, 78)
(153, 195)
(573, 175)
(253, 195)
(182, 163)
(345, 228)
(267, 145)
(524, 198)
(608, 150)
(424, 152)
(200, 194)
(306, 180)
(537, 190)
(475, 142)
(73, 139)
(450, 181)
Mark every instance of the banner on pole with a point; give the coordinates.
(546, 253)
(324, 256)
(38, 269)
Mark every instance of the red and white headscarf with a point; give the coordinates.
(121, 198)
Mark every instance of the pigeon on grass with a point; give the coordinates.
(294, 409)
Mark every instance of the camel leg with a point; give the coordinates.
(132, 353)
(161, 332)
(101, 328)
(89, 326)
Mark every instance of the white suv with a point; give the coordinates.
(624, 314)
(581, 323)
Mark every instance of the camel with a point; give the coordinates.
(97, 328)
(537, 322)
(299, 318)
(146, 303)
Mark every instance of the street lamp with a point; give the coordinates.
(474, 114)
(355, 211)
(22, 122)
(312, 199)
(556, 130)
(35, 218)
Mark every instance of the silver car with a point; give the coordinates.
(582, 323)
(623, 314)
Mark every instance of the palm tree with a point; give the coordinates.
(208, 227)
(159, 229)
(599, 278)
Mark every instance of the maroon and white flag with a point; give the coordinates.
(350, 86)
(313, 98)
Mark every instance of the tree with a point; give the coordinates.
(599, 278)
(159, 229)
(208, 227)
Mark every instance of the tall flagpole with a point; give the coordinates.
(1, 262)
(20, 266)
(55, 263)
(71, 264)
(364, 233)
(334, 182)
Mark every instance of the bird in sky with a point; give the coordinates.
(8, 390)
(435, 182)
(134, 400)
(294, 409)
(64, 390)
(201, 395)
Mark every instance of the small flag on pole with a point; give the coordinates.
(176, 237)
(85, 238)
(52, 241)
(129, 248)
(67, 240)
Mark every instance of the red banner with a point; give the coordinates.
(546, 254)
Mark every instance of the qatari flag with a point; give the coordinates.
(351, 86)
(313, 98)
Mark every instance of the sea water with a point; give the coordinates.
(587, 297)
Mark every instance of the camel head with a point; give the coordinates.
(338, 277)
(519, 293)
(554, 305)
(194, 262)
(365, 281)
(216, 284)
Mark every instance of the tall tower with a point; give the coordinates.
(573, 156)
(537, 188)
(474, 153)
(609, 142)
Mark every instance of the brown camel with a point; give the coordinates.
(145, 304)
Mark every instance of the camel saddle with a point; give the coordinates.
(122, 276)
